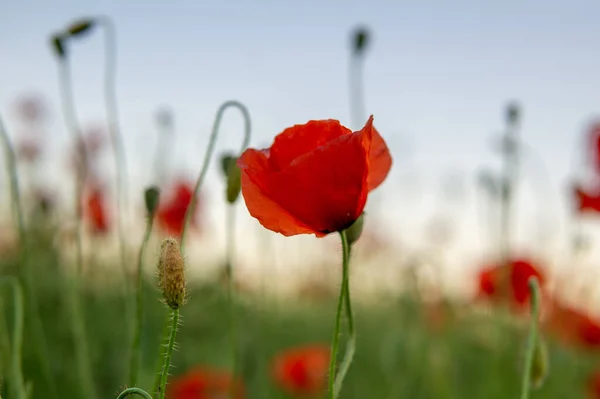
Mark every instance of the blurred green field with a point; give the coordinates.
(400, 353)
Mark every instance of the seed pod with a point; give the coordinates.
(171, 276)
(80, 27)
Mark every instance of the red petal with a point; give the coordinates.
(272, 216)
(380, 159)
(325, 189)
(300, 139)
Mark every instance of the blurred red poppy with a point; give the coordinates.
(205, 383)
(171, 211)
(315, 178)
(594, 136)
(490, 280)
(573, 326)
(96, 210)
(302, 370)
(593, 385)
(585, 201)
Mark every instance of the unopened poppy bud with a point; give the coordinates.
(233, 176)
(513, 113)
(354, 232)
(151, 198)
(80, 27)
(360, 40)
(171, 276)
(539, 368)
(58, 45)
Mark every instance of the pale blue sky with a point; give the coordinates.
(437, 77)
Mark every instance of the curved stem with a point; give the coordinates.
(209, 152)
(134, 360)
(17, 383)
(229, 254)
(68, 106)
(351, 344)
(24, 269)
(167, 363)
(134, 391)
(335, 382)
(532, 339)
(112, 115)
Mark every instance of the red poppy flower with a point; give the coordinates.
(204, 383)
(96, 210)
(303, 370)
(573, 326)
(586, 202)
(315, 178)
(490, 280)
(171, 212)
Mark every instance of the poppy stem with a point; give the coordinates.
(168, 353)
(135, 354)
(17, 386)
(357, 95)
(78, 323)
(208, 155)
(229, 254)
(532, 339)
(335, 382)
(161, 354)
(25, 276)
(134, 391)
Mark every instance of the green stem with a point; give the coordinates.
(351, 344)
(135, 354)
(532, 339)
(16, 384)
(335, 382)
(167, 363)
(208, 156)
(134, 391)
(41, 347)
(161, 355)
(81, 351)
(229, 254)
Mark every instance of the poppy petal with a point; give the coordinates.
(335, 199)
(301, 139)
(253, 165)
(380, 159)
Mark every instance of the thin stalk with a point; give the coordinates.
(336, 381)
(25, 276)
(532, 339)
(68, 106)
(161, 354)
(134, 391)
(357, 95)
(135, 354)
(229, 254)
(165, 131)
(17, 384)
(208, 156)
(169, 352)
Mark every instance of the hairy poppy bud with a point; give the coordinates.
(354, 232)
(539, 368)
(80, 27)
(171, 277)
(151, 198)
(58, 45)
(233, 176)
(360, 40)
(513, 113)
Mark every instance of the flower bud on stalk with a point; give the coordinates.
(171, 276)
(80, 27)
(233, 176)
(151, 199)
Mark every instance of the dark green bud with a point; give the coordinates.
(233, 177)
(80, 27)
(57, 42)
(354, 232)
(539, 367)
(513, 113)
(151, 198)
(360, 40)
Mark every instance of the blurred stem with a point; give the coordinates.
(169, 352)
(229, 254)
(208, 156)
(351, 344)
(78, 319)
(16, 385)
(532, 339)
(135, 354)
(336, 381)
(161, 354)
(134, 391)
(162, 154)
(357, 96)
(41, 348)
